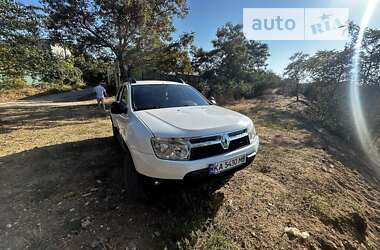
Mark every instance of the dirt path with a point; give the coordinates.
(61, 188)
(66, 96)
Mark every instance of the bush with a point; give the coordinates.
(63, 72)
(12, 83)
(93, 71)
(244, 89)
(265, 80)
(204, 88)
(250, 85)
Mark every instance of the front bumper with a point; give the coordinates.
(149, 165)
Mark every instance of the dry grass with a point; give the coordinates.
(14, 94)
(7, 95)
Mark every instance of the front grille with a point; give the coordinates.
(204, 139)
(217, 149)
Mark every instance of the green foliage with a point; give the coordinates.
(18, 22)
(21, 50)
(235, 68)
(62, 72)
(17, 60)
(96, 33)
(370, 58)
(329, 66)
(128, 31)
(296, 70)
(26, 52)
(93, 70)
(327, 73)
(171, 58)
(11, 82)
(332, 66)
(231, 52)
(233, 57)
(264, 80)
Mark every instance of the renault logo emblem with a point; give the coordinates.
(225, 141)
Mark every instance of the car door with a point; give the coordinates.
(122, 118)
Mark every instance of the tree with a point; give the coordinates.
(19, 22)
(173, 58)
(232, 62)
(296, 70)
(25, 51)
(130, 31)
(204, 62)
(257, 55)
(20, 34)
(370, 57)
(329, 66)
(231, 52)
(235, 55)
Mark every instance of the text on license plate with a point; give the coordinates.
(222, 166)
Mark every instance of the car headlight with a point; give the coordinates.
(251, 132)
(171, 149)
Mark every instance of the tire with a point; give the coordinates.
(134, 183)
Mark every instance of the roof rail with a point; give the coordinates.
(131, 80)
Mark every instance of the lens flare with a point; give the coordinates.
(356, 106)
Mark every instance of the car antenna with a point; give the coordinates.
(182, 81)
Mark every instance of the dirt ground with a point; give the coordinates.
(61, 188)
(38, 92)
(11, 94)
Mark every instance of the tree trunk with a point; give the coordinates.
(297, 91)
(123, 71)
(123, 67)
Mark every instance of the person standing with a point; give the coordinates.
(100, 95)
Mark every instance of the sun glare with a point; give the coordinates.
(356, 105)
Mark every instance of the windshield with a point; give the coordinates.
(153, 96)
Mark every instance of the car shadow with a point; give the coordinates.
(61, 186)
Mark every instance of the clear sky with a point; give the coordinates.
(205, 16)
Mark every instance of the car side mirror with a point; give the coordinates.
(212, 100)
(117, 108)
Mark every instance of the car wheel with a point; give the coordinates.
(134, 182)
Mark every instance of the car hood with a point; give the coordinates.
(192, 121)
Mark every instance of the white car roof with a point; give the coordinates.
(146, 82)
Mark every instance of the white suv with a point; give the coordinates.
(171, 131)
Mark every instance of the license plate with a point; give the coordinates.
(222, 166)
